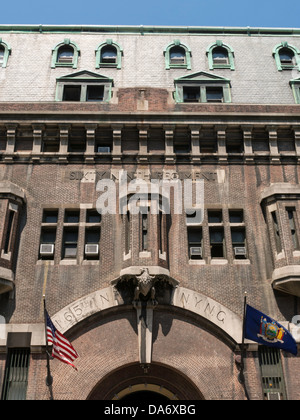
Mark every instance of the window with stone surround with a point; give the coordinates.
(202, 87)
(109, 54)
(5, 52)
(177, 55)
(221, 236)
(220, 56)
(65, 54)
(84, 86)
(287, 56)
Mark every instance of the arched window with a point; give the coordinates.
(220, 56)
(65, 54)
(286, 56)
(5, 51)
(109, 54)
(177, 55)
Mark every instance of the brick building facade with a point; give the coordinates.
(83, 108)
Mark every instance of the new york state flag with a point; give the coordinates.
(265, 330)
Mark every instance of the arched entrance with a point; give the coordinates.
(156, 382)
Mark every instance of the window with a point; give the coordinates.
(1, 54)
(177, 55)
(84, 86)
(276, 232)
(238, 238)
(216, 233)
(95, 93)
(5, 51)
(287, 57)
(220, 56)
(72, 216)
(144, 231)
(72, 93)
(291, 214)
(16, 374)
(195, 249)
(70, 242)
(92, 216)
(217, 245)
(48, 234)
(202, 87)
(215, 216)
(127, 232)
(109, 54)
(9, 230)
(271, 373)
(214, 94)
(295, 85)
(65, 54)
(92, 239)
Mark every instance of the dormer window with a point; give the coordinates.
(177, 55)
(202, 87)
(5, 51)
(220, 56)
(84, 86)
(1, 55)
(65, 54)
(109, 54)
(287, 57)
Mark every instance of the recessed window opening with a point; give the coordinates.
(72, 93)
(286, 56)
(94, 93)
(220, 55)
(1, 54)
(9, 231)
(191, 94)
(177, 55)
(65, 55)
(108, 55)
(217, 243)
(214, 94)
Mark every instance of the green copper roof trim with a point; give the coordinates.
(197, 30)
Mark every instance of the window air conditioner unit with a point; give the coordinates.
(239, 250)
(195, 251)
(70, 252)
(273, 396)
(103, 149)
(91, 249)
(220, 60)
(47, 250)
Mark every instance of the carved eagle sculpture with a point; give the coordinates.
(145, 284)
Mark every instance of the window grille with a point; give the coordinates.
(16, 374)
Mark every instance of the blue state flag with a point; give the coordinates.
(264, 330)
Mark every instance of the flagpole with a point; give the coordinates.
(49, 378)
(243, 352)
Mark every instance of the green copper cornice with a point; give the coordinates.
(143, 30)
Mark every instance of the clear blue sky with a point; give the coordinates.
(254, 13)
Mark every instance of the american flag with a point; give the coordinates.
(62, 349)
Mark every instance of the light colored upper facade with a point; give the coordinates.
(262, 64)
